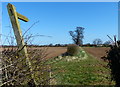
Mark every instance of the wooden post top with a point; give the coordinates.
(12, 8)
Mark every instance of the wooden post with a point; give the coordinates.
(14, 16)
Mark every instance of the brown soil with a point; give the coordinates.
(55, 51)
(97, 52)
(50, 51)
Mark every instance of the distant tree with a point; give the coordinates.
(57, 45)
(107, 43)
(97, 41)
(88, 44)
(77, 35)
(50, 44)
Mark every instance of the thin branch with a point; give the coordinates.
(110, 38)
(30, 28)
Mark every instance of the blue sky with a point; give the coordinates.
(60, 0)
(56, 19)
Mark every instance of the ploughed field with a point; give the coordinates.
(50, 51)
(97, 52)
(54, 51)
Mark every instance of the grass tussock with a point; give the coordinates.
(73, 49)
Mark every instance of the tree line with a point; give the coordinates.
(78, 36)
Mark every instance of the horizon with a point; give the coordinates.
(56, 19)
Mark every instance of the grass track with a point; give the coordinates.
(89, 71)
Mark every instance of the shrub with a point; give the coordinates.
(113, 57)
(73, 49)
(15, 71)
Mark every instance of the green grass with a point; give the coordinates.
(89, 71)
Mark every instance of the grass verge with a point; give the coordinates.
(89, 71)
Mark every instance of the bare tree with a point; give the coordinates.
(77, 35)
(97, 41)
(107, 43)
